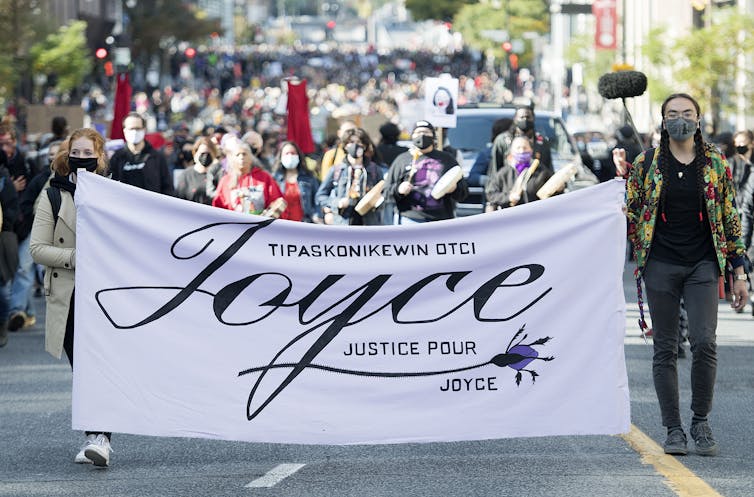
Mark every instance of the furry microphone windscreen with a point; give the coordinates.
(622, 84)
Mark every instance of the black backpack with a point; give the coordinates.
(53, 194)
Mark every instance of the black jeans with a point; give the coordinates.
(68, 347)
(698, 285)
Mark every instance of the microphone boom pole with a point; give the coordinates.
(623, 84)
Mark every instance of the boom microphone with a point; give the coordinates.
(622, 84)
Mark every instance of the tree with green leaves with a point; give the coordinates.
(22, 22)
(581, 50)
(151, 23)
(516, 17)
(703, 63)
(64, 57)
(8, 76)
(441, 10)
(365, 8)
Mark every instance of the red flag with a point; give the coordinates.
(299, 127)
(122, 105)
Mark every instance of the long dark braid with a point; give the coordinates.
(664, 158)
(663, 162)
(700, 160)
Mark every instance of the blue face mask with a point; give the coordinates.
(680, 129)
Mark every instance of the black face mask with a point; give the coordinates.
(186, 156)
(205, 159)
(525, 124)
(742, 150)
(423, 141)
(90, 164)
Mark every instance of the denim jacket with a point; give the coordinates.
(335, 186)
(307, 187)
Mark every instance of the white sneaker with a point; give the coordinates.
(98, 451)
(81, 457)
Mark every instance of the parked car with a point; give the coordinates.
(472, 134)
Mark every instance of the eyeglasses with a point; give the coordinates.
(686, 114)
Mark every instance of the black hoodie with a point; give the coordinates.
(147, 170)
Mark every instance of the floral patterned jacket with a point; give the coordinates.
(643, 198)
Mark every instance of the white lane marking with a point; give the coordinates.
(275, 475)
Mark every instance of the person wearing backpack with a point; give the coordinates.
(53, 245)
(685, 230)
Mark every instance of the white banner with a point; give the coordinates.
(193, 321)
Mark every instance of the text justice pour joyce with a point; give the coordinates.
(340, 315)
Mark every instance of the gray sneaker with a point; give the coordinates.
(675, 444)
(706, 445)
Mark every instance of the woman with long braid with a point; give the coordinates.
(684, 227)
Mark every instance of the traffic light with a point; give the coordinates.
(103, 57)
(510, 64)
(329, 28)
(104, 66)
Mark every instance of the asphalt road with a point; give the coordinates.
(37, 445)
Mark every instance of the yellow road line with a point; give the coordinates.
(677, 476)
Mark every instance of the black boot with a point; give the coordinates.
(3, 333)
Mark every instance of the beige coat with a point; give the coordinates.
(54, 246)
